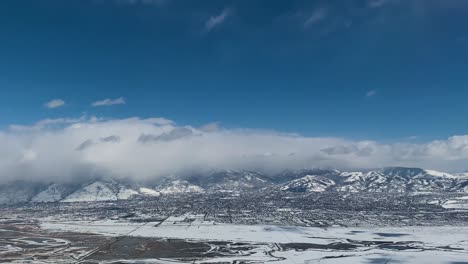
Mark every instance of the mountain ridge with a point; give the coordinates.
(388, 179)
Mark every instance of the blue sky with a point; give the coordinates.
(388, 70)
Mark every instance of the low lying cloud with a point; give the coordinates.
(174, 134)
(55, 103)
(143, 149)
(47, 123)
(108, 101)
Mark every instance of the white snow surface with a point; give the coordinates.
(149, 192)
(125, 193)
(461, 175)
(174, 227)
(457, 203)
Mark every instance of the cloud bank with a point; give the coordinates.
(144, 149)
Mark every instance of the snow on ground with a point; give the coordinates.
(461, 175)
(447, 175)
(172, 228)
(439, 174)
(455, 205)
(291, 256)
(375, 256)
(309, 183)
(149, 192)
(436, 240)
(180, 186)
(125, 193)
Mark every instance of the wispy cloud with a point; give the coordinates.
(142, 2)
(317, 16)
(217, 20)
(49, 123)
(371, 93)
(377, 3)
(108, 101)
(54, 103)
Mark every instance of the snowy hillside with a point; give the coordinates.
(53, 193)
(101, 191)
(309, 183)
(180, 186)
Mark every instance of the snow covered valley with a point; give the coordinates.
(240, 228)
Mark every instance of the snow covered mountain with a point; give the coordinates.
(392, 179)
(308, 183)
(230, 180)
(18, 192)
(288, 175)
(53, 193)
(179, 186)
(148, 192)
(101, 191)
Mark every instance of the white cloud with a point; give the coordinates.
(371, 93)
(146, 148)
(217, 20)
(48, 123)
(55, 103)
(317, 16)
(108, 101)
(210, 127)
(158, 121)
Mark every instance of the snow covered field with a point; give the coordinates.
(290, 244)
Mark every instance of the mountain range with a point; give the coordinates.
(391, 179)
